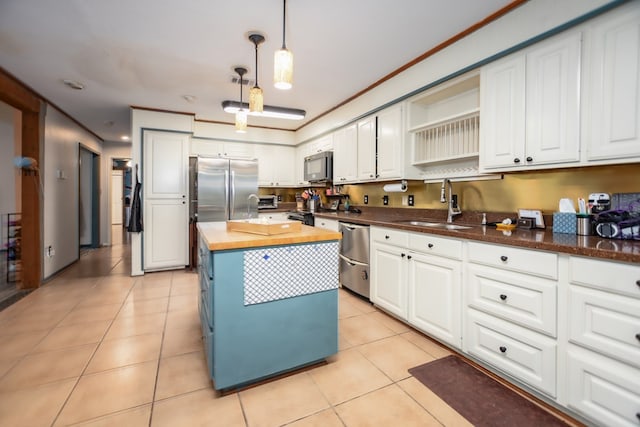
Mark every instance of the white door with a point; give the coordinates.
(388, 278)
(502, 103)
(552, 101)
(164, 190)
(367, 149)
(166, 232)
(434, 297)
(390, 143)
(166, 165)
(614, 88)
(116, 197)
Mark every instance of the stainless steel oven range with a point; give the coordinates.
(354, 258)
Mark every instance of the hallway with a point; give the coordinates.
(97, 347)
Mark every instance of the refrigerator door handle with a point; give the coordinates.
(226, 193)
(232, 197)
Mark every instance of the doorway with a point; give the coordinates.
(121, 191)
(89, 201)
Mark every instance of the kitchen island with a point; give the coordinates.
(268, 304)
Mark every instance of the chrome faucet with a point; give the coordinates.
(452, 206)
(251, 196)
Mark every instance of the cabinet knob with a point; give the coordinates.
(504, 258)
(638, 282)
(638, 415)
(638, 336)
(183, 202)
(430, 245)
(516, 160)
(386, 237)
(529, 159)
(403, 255)
(503, 297)
(503, 349)
(408, 256)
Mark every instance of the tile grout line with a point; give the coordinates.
(73, 389)
(164, 331)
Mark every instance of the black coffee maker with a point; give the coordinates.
(599, 202)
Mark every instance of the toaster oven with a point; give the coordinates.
(268, 202)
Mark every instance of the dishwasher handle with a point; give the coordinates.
(352, 262)
(352, 226)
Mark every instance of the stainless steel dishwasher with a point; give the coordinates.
(354, 258)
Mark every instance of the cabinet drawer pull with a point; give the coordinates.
(503, 349)
(516, 160)
(386, 237)
(430, 245)
(638, 282)
(503, 297)
(638, 415)
(529, 159)
(504, 258)
(638, 336)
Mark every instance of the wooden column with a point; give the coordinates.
(31, 204)
(22, 98)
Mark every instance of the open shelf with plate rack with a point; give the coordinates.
(14, 247)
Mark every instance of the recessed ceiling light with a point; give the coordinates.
(73, 84)
(125, 137)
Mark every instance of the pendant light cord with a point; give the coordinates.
(284, 16)
(256, 85)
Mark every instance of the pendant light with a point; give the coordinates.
(241, 114)
(256, 99)
(283, 60)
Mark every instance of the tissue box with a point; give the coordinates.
(564, 222)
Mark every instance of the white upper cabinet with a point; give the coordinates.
(612, 125)
(530, 106)
(345, 155)
(502, 135)
(390, 146)
(215, 148)
(275, 165)
(367, 149)
(553, 101)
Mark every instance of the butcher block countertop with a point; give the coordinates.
(219, 239)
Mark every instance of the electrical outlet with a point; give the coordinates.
(385, 200)
(279, 197)
(366, 199)
(411, 201)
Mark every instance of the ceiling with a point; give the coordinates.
(151, 53)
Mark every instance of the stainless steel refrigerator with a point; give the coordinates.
(223, 189)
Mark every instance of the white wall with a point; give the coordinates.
(527, 21)
(61, 150)
(10, 142)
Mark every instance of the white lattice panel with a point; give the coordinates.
(281, 272)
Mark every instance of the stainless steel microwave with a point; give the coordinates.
(319, 167)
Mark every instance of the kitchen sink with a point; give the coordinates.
(443, 225)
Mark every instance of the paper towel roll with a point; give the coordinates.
(395, 188)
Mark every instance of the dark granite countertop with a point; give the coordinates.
(589, 246)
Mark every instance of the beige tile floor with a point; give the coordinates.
(96, 347)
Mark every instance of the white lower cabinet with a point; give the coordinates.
(528, 356)
(329, 224)
(434, 296)
(603, 389)
(603, 357)
(274, 216)
(510, 320)
(389, 278)
(417, 277)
